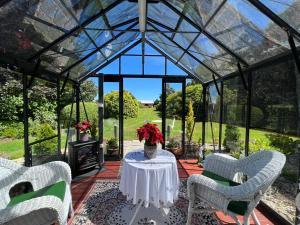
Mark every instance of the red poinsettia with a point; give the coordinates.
(83, 126)
(150, 133)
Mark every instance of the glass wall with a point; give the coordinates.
(275, 125)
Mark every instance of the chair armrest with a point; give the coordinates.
(222, 165)
(49, 205)
(50, 173)
(208, 190)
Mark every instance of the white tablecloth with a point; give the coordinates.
(153, 181)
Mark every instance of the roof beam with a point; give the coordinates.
(275, 18)
(188, 53)
(173, 61)
(96, 50)
(220, 44)
(86, 76)
(74, 30)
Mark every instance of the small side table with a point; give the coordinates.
(150, 181)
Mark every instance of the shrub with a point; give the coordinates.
(94, 127)
(46, 147)
(232, 137)
(111, 105)
(284, 143)
(12, 130)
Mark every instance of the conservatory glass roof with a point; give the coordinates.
(74, 38)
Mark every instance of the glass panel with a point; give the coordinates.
(122, 12)
(159, 10)
(193, 118)
(112, 68)
(172, 69)
(150, 51)
(246, 31)
(131, 65)
(275, 98)
(68, 52)
(141, 110)
(99, 36)
(166, 45)
(288, 10)
(185, 39)
(196, 68)
(201, 11)
(275, 108)
(111, 119)
(154, 65)
(136, 50)
(87, 65)
(213, 118)
(213, 56)
(173, 118)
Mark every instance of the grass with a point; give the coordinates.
(14, 147)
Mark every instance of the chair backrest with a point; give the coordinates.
(10, 174)
(270, 162)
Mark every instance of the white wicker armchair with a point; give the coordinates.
(261, 169)
(40, 210)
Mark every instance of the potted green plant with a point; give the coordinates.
(174, 146)
(112, 147)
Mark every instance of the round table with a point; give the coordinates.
(150, 181)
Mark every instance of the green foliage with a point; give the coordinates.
(259, 144)
(232, 138)
(173, 143)
(91, 108)
(174, 100)
(111, 105)
(47, 147)
(94, 126)
(88, 90)
(190, 119)
(11, 129)
(284, 143)
(112, 143)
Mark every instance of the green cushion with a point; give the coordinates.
(57, 189)
(238, 207)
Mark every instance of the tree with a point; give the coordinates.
(88, 90)
(190, 119)
(111, 105)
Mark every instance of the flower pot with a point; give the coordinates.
(113, 151)
(150, 151)
(83, 137)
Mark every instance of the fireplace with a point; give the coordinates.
(83, 156)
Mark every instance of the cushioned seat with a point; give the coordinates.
(238, 207)
(57, 189)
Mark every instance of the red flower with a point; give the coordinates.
(83, 126)
(150, 133)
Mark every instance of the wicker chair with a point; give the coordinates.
(217, 188)
(47, 209)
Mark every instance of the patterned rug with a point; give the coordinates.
(105, 205)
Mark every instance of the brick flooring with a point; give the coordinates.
(82, 185)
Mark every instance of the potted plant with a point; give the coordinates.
(83, 127)
(152, 136)
(112, 147)
(174, 147)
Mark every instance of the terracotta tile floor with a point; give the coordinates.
(81, 185)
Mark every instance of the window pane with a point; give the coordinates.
(248, 32)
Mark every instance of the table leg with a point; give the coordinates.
(136, 212)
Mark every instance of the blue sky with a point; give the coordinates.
(142, 89)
